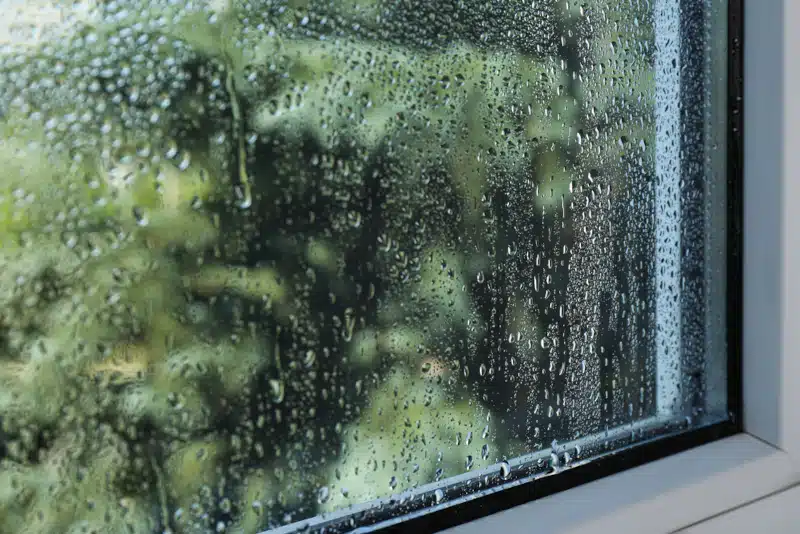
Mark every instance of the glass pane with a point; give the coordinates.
(266, 261)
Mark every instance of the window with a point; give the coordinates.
(297, 264)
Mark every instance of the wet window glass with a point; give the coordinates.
(266, 264)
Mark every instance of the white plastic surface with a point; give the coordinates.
(660, 497)
(776, 514)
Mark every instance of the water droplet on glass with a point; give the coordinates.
(244, 196)
(172, 150)
(185, 161)
(278, 390)
(554, 461)
(505, 470)
(140, 216)
(438, 495)
(354, 219)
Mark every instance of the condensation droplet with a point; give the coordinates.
(140, 216)
(505, 470)
(278, 390)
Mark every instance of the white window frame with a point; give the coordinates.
(676, 492)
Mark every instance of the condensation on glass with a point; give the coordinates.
(266, 260)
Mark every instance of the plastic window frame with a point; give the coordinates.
(687, 488)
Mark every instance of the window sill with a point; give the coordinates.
(776, 513)
(662, 496)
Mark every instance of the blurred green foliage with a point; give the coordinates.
(266, 259)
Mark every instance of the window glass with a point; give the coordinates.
(264, 261)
